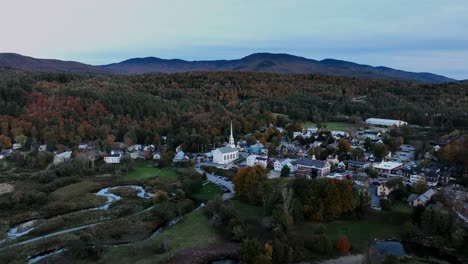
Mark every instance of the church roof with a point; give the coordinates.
(226, 150)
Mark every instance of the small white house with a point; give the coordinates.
(43, 147)
(113, 158)
(16, 146)
(254, 160)
(417, 178)
(279, 164)
(62, 157)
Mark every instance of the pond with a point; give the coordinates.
(403, 248)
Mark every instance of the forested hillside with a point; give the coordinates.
(195, 108)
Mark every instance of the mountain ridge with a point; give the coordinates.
(256, 62)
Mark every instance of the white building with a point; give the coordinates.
(228, 154)
(62, 157)
(16, 146)
(279, 164)
(386, 167)
(385, 122)
(417, 178)
(113, 158)
(254, 160)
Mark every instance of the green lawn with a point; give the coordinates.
(360, 233)
(146, 170)
(401, 207)
(330, 125)
(247, 211)
(208, 192)
(194, 231)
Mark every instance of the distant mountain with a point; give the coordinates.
(268, 62)
(17, 61)
(257, 62)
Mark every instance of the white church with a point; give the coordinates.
(228, 154)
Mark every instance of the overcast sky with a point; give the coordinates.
(419, 35)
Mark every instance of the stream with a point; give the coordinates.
(26, 227)
(158, 231)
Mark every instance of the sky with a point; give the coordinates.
(419, 35)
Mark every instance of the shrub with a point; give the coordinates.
(343, 245)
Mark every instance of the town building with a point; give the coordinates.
(423, 199)
(385, 168)
(280, 163)
(385, 122)
(312, 168)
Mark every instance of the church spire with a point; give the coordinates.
(232, 144)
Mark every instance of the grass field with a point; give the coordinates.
(401, 207)
(208, 192)
(146, 170)
(360, 233)
(194, 231)
(330, 125)
(247, 211)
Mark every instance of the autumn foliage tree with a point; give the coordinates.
(248, 182)
(343, 245)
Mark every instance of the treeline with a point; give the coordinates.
(194, 109)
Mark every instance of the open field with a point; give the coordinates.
(144, 170)
(208, 192)
(330, 125)
(360, 233)
(247, 211)
(194, 231)
(401, 207)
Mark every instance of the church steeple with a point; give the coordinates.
(232, 144)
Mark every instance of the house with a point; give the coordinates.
(43, 147)
(385, 122)
(341, 165)
(311, 168)
(357, 165)
(16, 146)
(384, 190)
(254, 160)
(225, 155)
(136, 147)
(180, 157)
(336, 176)
(423, 199)
(156, 156)
(255, 148)
(372, 135)
(415, 178)
(361, 180)
(5, 153)
(279, 164)
(137, 155)
(333, 160)
(113, 158)
(62, 157)
(385, 168)
(84, 147)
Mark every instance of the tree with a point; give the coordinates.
(357, 154)
(420, 187)
(373, 173)
(343, 245)
(247, 183)
(379, 150)
(5, 142)
(344, 146)
(285, 171)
